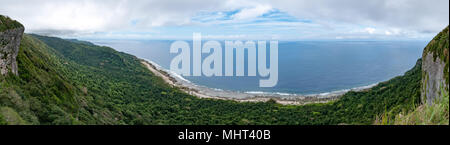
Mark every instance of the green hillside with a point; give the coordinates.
(75, 82)
(7, 23)
(435, 105)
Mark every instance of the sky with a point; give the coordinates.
(232, 19)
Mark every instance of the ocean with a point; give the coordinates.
(305, 67)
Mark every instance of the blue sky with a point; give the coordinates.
(271, 24)
(232, 19)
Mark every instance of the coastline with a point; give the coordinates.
(211, 93)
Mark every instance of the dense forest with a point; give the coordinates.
(7, 23)
(75, 82)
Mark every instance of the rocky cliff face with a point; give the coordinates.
(435, 68)
(9, 48)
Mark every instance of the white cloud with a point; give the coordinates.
(331, 18)
(250, 13)
(429, 16)
(99, 15)
(370, 30)
(388, 33)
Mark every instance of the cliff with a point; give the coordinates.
(435, 68)
(10, 36)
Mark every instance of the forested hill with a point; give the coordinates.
(75, 82)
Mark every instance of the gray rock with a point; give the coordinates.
(9, 48)
(433, 78)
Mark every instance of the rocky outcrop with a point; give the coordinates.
(435, 68)
(9, 48)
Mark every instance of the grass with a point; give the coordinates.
(7, 23)
(435, 114)
(10, 116)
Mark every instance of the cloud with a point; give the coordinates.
(370, 30)
(99, 15)
(313, 19)
(424, 16)
(254, 12)
(64, 15)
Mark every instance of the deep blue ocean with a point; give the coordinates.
(305, 67)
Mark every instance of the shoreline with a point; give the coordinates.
(211, 93)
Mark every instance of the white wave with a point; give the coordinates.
(343, 91)
(171, 73)
(217, 89)
(254, 92)
(283, 94)
(269, 93)
(365, 87)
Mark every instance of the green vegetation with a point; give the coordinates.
(75, 82)
(435, 114)
(10, 116)
(7, 23)
(40, 91)
(439, 47)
